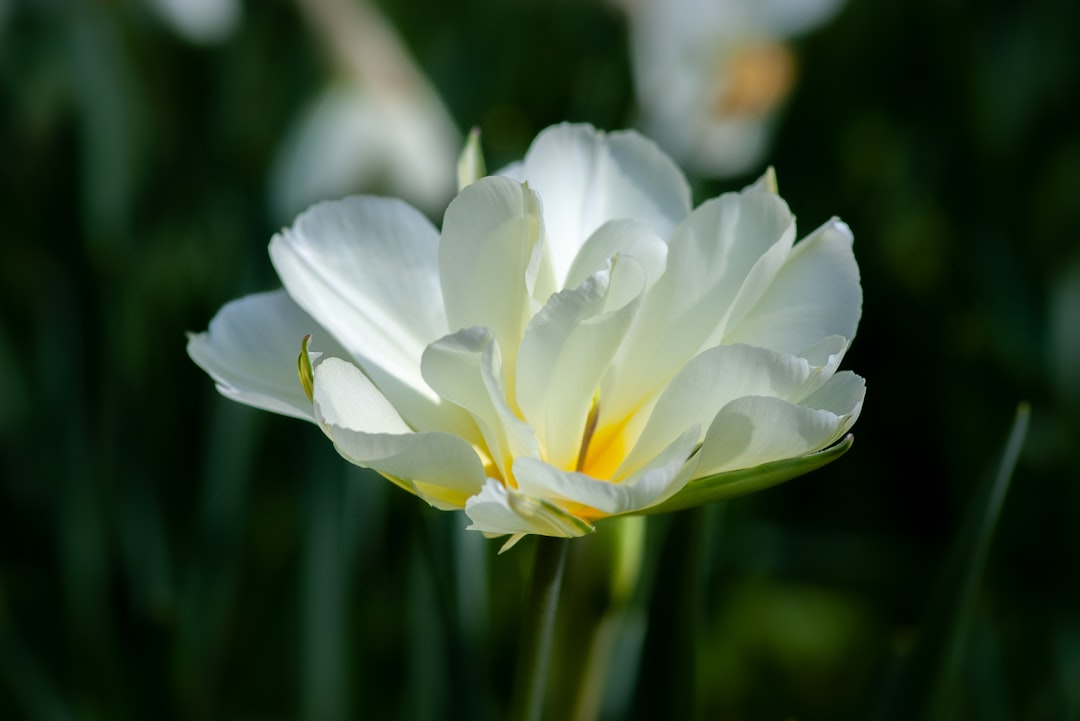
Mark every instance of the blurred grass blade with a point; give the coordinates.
(25, 685)
(427, 691)
(924, 685)
(325, 596)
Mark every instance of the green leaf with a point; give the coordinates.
(737, 483)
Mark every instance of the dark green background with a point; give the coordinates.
(167, 554)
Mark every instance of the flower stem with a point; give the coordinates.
(535, 647)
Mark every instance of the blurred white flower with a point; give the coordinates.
(200, 21)
(379, 127)
(353, 139)
(711, 74)
(576, 343)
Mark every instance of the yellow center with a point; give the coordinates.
(757, 78)
(606, 451)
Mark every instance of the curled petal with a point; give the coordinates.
(843, 395)
(500, 511)
(816, 294)
(714, 378)
(591, 498)
(250, 351)
(724, 244)
(365, 268)
(465, 368)
(566, 350)
(754, 430)
(729, 484)
(491, 260)
(441, 468)
(625, 238)
(587, 178)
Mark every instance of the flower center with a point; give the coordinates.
(756, 78)
(603, 450)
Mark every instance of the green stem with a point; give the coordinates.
(669, 658)
(539, 618)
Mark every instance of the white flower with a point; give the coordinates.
(575, 344)
(200, 21)
(711, 75)
(356, 137)
(379, 127)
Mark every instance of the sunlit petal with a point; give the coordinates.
(492, 242)
(466, 369)
(713, 379)
(816, 294)
(250, 351)
(755, 430)
(565, 352)
(650, 485)
(627, 238)
(497, 510)
(723, 245)
(366, 429)
(365, 268)
(587, 178)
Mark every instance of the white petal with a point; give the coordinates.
(827, 353)
(346, 398)
(492, 242)
(515, 170)
(200, 21)
(587, 178)
(754, 430)
(251, 348)
(499, 511)
(710, 257)
(465, 368)
(622, 237)
(713, 379)
(565, 352)
(365, 268)
(792, 17)
(657, 481)
(816, 294)
(440, 467)
(843, 395)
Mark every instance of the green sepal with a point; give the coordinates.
(471, 166)
(722, 486)
(303, 367)
(766, 182)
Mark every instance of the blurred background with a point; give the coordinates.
(167, 554)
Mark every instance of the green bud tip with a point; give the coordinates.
(303, 367)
